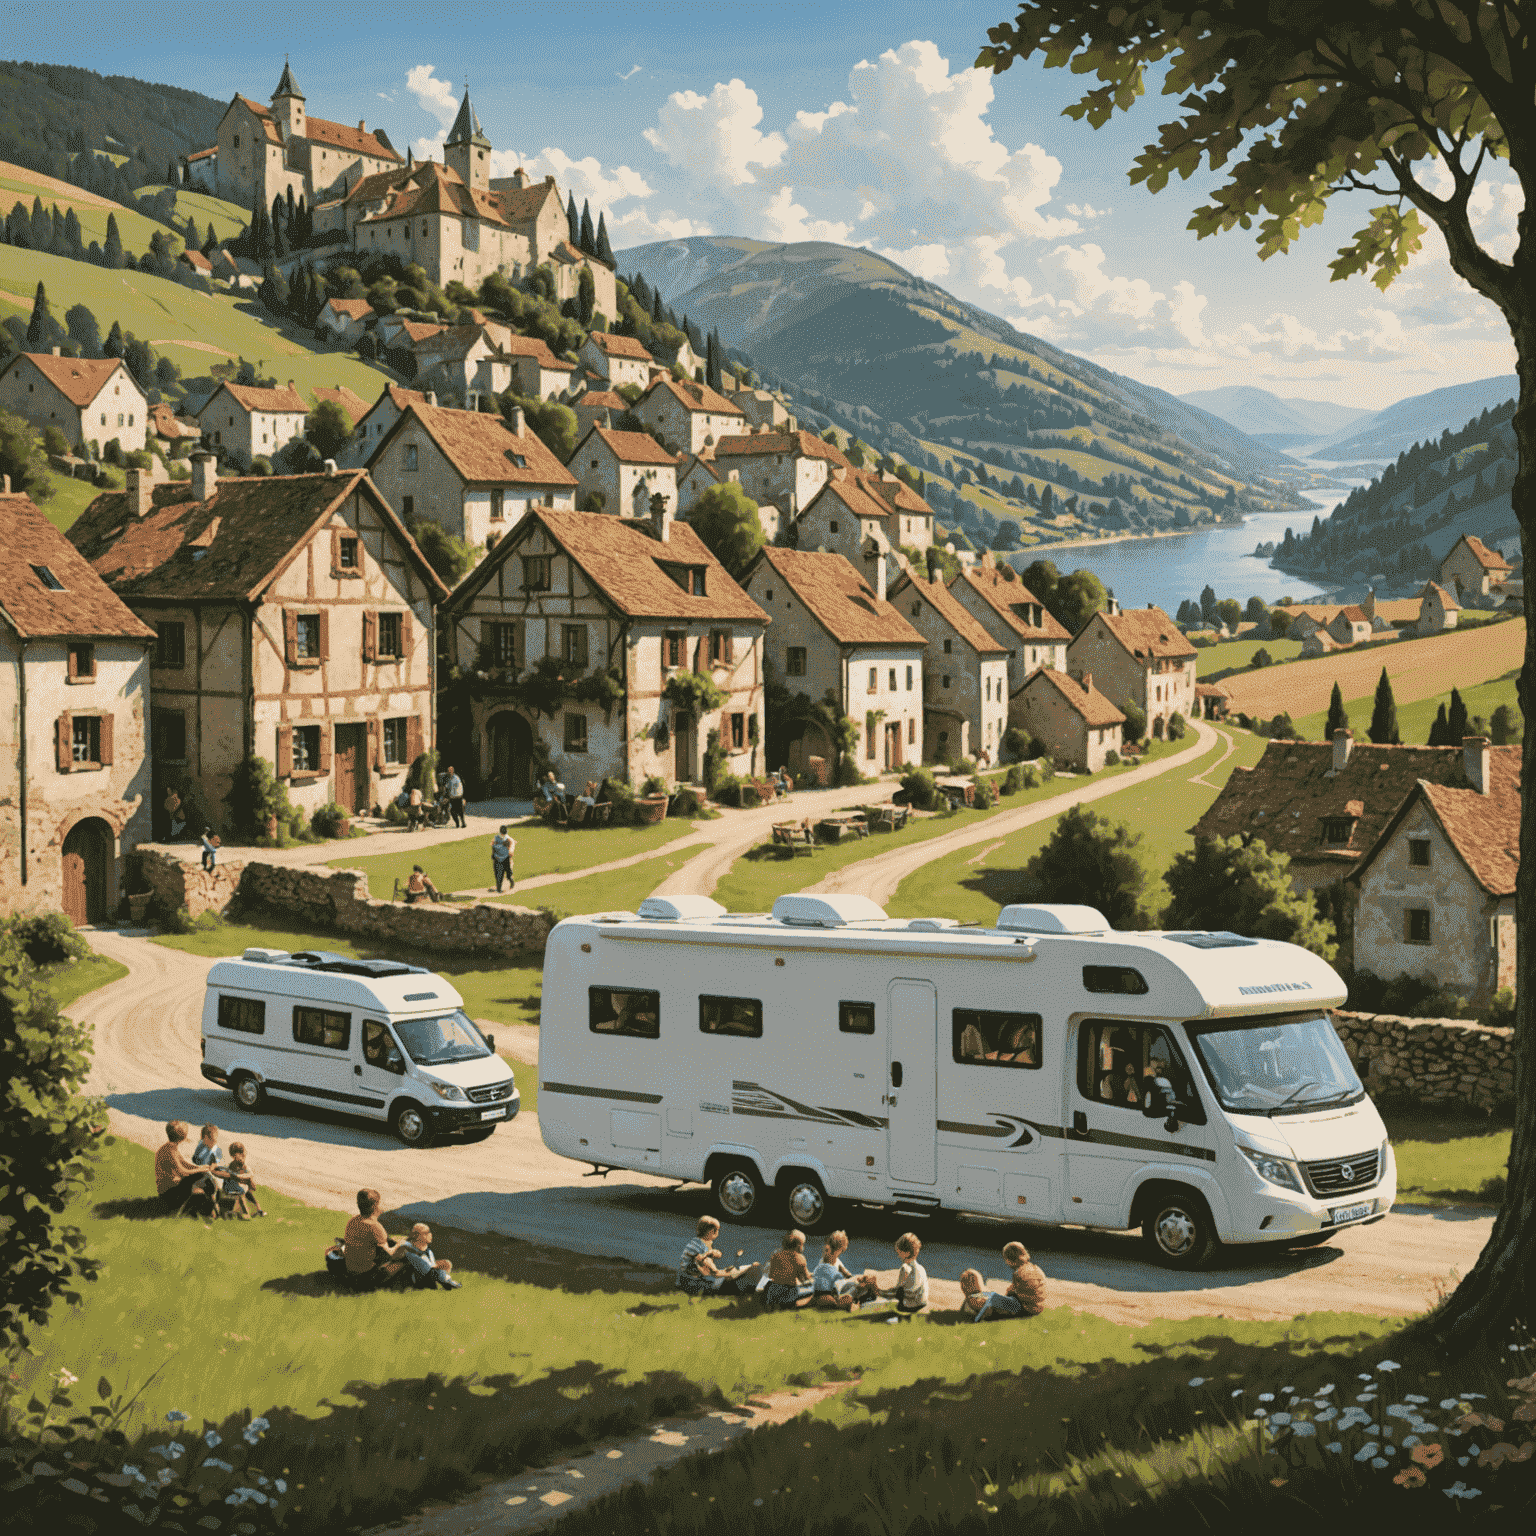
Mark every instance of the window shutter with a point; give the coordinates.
(285, 751)
(701, 654)
(325, 635)
(517, 644)
(581, 645)
(291, 637)
(106, 741)
(375, 741)
(413, 737)
(370, 636)
(66, 742)
(74, 661)
(730, 645)
(325, 747)
(335, 549)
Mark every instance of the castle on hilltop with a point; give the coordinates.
(450, 217)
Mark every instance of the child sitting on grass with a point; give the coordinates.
(1028, 1285)
(236, 1182)
(980, 1306)
(833, 1285)
(911, 1288)
(697, 1271)
(789, 1281)
(206, 1153)
(427, 1271)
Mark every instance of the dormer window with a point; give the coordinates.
(48, 579)
(1337, 830)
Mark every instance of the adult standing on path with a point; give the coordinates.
(502, 848)
(453, 789)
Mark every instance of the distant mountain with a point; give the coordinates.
(1419, 419)
(1268, 416)
(993, 416)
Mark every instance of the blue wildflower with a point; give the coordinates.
(1197, 1381)
(1366, 1451)
(175, 1416)
(212, 1440)
(1459, 1490)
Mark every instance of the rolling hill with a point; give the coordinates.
(1418, 419)
(1274, 419)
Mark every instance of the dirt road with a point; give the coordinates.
(146, 1066)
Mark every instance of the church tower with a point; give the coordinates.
(467, 150)
(288, 106)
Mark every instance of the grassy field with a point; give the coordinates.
(133, 227)
(1239, 653)
(70, 498)
(614, 890)
(1447, 1161)
(465, 864)
(972, 885)
(74, 978)
(1414, 720)
(227, 218)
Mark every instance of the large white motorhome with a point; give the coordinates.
(1048, 1070)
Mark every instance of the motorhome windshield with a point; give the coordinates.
(447, 1037)
(1271, 1066)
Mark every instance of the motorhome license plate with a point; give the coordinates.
(1343, 1213)
(496, 1114)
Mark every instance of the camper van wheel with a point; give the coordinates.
(249, 1094)
(1177, 1229)
(806, 1202)
(410, 1124)
(738, 1189)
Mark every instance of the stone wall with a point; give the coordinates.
(1434, 1063)
(337, 900)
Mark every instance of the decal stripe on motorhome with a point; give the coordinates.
(1142, 1144)
(305, 1091)
(1021, 1130)
(768, 1104)
(601, 1093)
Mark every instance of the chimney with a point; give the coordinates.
(362, 127)
(880, 578)
(205, 475)
(472, 400)
(1368, 606)
(330, 467)
(431, 397)
(516, 422)
(661, 521)
(56, 351)
(733, 474)
(1343, 745)
(141, 488)
(1475, 759)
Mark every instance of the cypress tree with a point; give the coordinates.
(42, 226)
(211, 244)
(113, 248)
(1439, 730)
(1457, 726)
(289, 209)
(18, 229)
(1337, 719)
(656, 315)
(40, 325)
(573, 221)
(113, 345)
(604, 248)
(1383, 729)
(588, 241)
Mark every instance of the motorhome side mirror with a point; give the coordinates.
(1159, 1103)
(490, 1041)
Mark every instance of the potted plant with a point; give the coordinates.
(138, 905)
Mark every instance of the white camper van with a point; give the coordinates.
(373, 1038)
(1048, 1069)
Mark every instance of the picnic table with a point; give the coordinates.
(957, 790)
(794, 838)
(886, 818)
(833, 828)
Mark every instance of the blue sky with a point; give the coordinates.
(861, 124)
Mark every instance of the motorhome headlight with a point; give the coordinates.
(446, 1090)
(1274, 1170)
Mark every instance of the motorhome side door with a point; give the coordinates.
(912, 1082)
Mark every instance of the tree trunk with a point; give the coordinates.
(1502, 1285)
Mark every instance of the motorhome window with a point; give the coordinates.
(445, 1037)
(619, 1011)
(1113, 978)
(317, 1026)
(856, 1018)
(1269, 1065)
(731, 1016)
(1116, 1063)
(379, 1048)
(243, 1013)
(987, 1039)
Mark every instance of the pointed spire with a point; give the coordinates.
(466, 126)
(287, 86)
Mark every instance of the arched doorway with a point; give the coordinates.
(87, 861)
(511, 756)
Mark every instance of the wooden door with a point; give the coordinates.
(893, 746)
(87, 877)
(511, 756)
(682, 736)
(354, 785)
(75, 908)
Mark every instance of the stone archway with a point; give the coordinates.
(86, 859)
(511, 756)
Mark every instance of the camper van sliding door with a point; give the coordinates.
(912, 1082)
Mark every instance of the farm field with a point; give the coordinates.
(1239, 653)
(1414, 720)
(1419, 669)
(70, 498)
(227, 218)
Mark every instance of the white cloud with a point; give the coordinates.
(715, 139)
(434, 95)
(930, 261)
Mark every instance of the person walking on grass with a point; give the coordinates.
(453, 792)
(502, 849)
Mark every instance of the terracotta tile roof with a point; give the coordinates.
(909, 591)
(418, 331)
(1286, 795)
(695, 397)
(197, 261)
(523, 204)
(1211, 691)
(264, 119)
(630, 447)
(79, 379)
(168, 424)
(536, 348)
(357, 141)
(354, 405)
(1489, 559)
(451, 341)
(86, 608)
(248, 529)
(625, 563)
(249, 398)
(1354, 615)
(1085, 701)
(600, 400)
(1447, 600)
(481, 447)
(353, 309)
(427, 187)
(1321, 612)
(203, 154)
(1484, 829)
(806, 444)
(1320, 641)
(1147, 632)
(619, 346)
(850, 494)
(893, 489)
(839, 598)
(402, 397)
(1007, 598)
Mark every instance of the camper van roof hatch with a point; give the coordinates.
(265, 956)
(1222, 940)
(1055, 918)
(375, 970)
(674, 909)
(827, 911)
(933, 924)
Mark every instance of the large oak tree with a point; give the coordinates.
(1296, 103)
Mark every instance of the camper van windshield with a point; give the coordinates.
(448, 1037)
(1270, 1066)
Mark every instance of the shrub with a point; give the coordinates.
(1111, 758)
(621, 797)
(393, 815)
(1500, 1009)
(1135, 727)
(694, 693)
(1261, 658)
(688, 802)
(261, 465)
(986, 794)
(848, 773)
(714, 761)
(655, 785)
(1090, 861)
(1226, 884)
(326, 822)
(1016, 744)
(921, 790)
(1177, 729)
(1281, 728)
(46, 938)
(1410, 997)
(256, 796)
(182, 921)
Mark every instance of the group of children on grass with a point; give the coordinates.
(789, 1283)
(204, 1183)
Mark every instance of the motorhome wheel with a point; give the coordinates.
(249, 1094)
(410, 1124)
(807, 1203)
(738, 1191)
(1178, 1231)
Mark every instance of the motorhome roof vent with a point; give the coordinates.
(265, 956)
(827, 911)
(680, 909)
(1219, 940)
(1055, 918)
(933, 924)
(375, 970)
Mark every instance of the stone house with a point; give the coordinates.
(1350, 626)
(695, 474)
(630, 617)
(87, 399)
(241, 422)
(1138, 654)
(460, 360)
(1016, 619)
(169, 429)
(596, 408)
(836, 636)
(468, 471)
(201, 170)
(344, 320)
(625, 469)
(1212, 701)
(1470, 569)
(965, 674)
(764, 409)
(403, 333)
(536, 211)
(783, 470)
(620, 360)
(376, 422)
(1435, 892)
(1319, 642)
(536, 372)
(74, 696)
(352, 403)
(294, 617)
(1078, 725)
(194, 261)
(688, 416)
(1438, 610)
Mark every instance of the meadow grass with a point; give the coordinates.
(227, 218)
(1447, 1159)
(70, 498)
(70, 980)
(614, 890)
(1226, 654)
(1415, 719)
(465, 863)
(135, 229)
